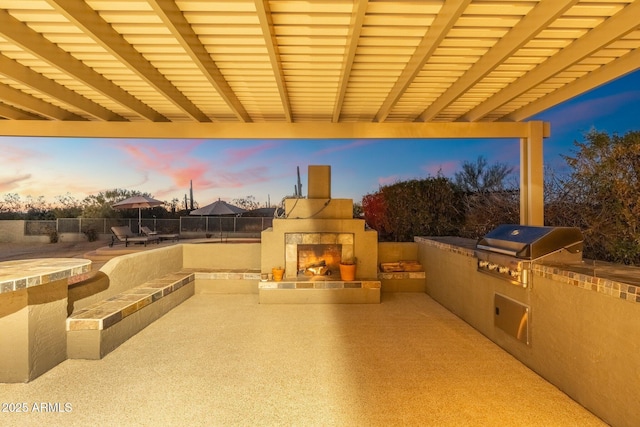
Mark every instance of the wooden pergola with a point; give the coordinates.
(309, 68)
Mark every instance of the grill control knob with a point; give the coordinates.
(493, 266)
(483, 264)
(503, 270)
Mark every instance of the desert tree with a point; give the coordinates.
(601, 195)
(489, 197)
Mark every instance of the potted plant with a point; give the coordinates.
(278, 273)
(348, 269)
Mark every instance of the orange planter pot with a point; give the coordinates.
(278, 274)
(348, 272)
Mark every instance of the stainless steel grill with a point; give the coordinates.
(509, 250)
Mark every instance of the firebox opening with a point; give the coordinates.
(319, 260)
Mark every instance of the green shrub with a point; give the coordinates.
(92, 234)
(419, 207)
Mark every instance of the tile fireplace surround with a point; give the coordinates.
(292, 240)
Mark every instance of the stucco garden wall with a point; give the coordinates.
(12, 231)
(397, 251)
(230, 256)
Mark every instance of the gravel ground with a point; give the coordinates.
(13, 251)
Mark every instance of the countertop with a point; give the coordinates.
(21, 274)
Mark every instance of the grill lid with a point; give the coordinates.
(529, 242)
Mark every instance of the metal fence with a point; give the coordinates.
(195, 226)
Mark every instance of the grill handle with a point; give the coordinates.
(498, 250)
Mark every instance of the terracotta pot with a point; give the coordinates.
(347, 272)
(278, 274)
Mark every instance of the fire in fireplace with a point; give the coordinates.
(325, 249)
(319, 259)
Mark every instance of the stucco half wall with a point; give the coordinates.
(229, 256)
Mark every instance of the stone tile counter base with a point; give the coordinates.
(582, 321)
(33, 309)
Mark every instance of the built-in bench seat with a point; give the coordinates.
(96, 330)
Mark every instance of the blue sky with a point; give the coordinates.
(231, 169)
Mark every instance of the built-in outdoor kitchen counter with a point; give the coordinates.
(576, 324)
(617, 280)
(33, 312)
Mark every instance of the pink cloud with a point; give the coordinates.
(176, 161)
(9, 184)
(238, 179)
(388, 180)
(237, 155)
(168, 159)
(12, 154)
(353, 144)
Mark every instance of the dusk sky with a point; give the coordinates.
(231, 169)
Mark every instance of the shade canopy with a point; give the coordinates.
(137, 202)
(218, 208)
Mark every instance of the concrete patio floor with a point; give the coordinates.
(227, 360)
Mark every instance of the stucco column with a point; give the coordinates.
(532, 176)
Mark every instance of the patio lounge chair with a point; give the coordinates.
(147, 232)
(124, 234)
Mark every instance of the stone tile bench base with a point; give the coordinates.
(413, 281)
(100, 328)
(320, 292)
(225, 281)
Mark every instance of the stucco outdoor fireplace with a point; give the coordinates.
(315, 235)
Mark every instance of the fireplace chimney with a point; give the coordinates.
(319, 182)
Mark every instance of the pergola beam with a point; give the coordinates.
(36, 81)
(175, 21)
(266, 23)
(532, 24)
(306, 130)
(444, 21)
(39, 46)
(355, 29)
(97, 28)
(11, 112)
(610, 30)
(611, 71)
(35, 105)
